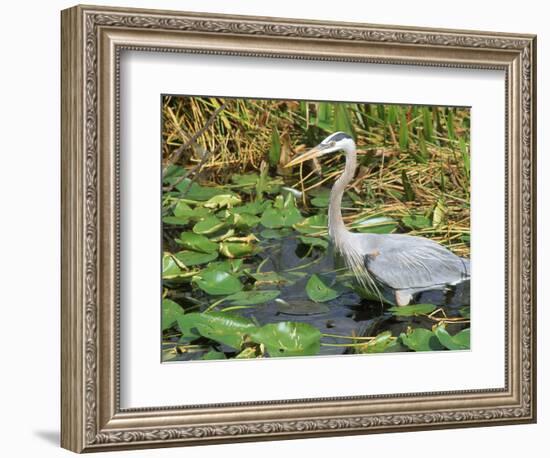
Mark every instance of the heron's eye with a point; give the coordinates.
(332, 143)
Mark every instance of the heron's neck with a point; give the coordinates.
(336, 222)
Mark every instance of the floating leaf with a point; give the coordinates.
(236, 249)
(170, 268)
(317, 291)
(275, 233)
(314, 241)
(222, 201)
(413, 310)
(380, 343)
(285, 217)
(252, 297)
(208, 225)
(176, 220)
(221, 327)
(312, 225)
(464, 311)
(218, 282)
(244, 220)
(231, 266)
(247, 180)
(460, 341)
(194, 191)
(252, 208)
(183, 210)
(196, 242)
(420, 339)
(288, 339)
(193, 258)
(213, 355)
(170, 312)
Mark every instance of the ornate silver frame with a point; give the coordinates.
(92, 39)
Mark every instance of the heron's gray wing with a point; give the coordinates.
(415, 262)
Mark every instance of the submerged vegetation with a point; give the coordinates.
(248, 270)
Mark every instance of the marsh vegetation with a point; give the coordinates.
(247, 267)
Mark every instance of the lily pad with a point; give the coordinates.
(280, 217)
(244, 220)
(460, 341)
(170, 312)
(252, 297)
(275, 233)
(380, 343)
(223, 201)
(176, 220)
(236, 249)
(413, 310)
(289, 339)
(252, 208)
(420, 339)
(170, 268)
(314, 241)
(196, 242)
(319, 292)
(194, 258)
(312, 225)
(213, 355)
(218, 282)
(194, 191)
(221, 327)
(183, 210)
(208, 225)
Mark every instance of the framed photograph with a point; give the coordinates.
(278, 228)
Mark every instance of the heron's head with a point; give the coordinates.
(338, 141)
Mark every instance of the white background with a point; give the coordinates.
(146, 75)
(29, 242)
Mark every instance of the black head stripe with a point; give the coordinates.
(337, 137)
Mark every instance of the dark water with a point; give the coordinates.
(348, 314)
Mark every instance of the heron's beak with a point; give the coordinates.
(311, 154)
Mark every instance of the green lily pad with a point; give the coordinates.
(223, 201)
(176, 220)
(170, 312)
(246, 180)
(237, 249)
(312, 225)
(319, 292)
(413, 310)
(380, 343)
(221, 327)
(231, 266)
(252, 297)
(289, 339)
(280, 217)
(460, 341)
(314, 241)
(213, 355)
(194, 258)
(197, 192)
(244, 220)
(252, 208)
(218, 282)
(208, 225)
(196, 242)
(420, 339)
(183, 210)
(275, 233)
(170, 268)
(464, 311)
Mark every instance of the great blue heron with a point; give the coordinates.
(404, 264)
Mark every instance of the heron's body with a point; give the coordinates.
(405, 264)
